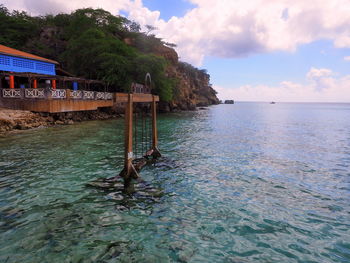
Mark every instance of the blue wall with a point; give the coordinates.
(15, 64)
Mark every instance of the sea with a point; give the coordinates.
(248, 182)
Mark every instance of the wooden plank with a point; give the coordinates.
(137, 97)
(54, 106)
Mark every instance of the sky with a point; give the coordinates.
(254, 50)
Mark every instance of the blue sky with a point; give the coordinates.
(255, 50)
(272, 68)
(303, 66)
(169, 8)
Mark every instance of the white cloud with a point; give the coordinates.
(317, 73)
(42, 7)
(227, 28)
(347, 58)
(322, 85)
(239, 28)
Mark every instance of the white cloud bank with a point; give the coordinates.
(227, 28)
(230, 29)
(238, 28)
(322, 85)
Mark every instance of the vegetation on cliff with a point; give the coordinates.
(95, 44)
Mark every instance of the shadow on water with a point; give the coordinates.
(146, 192)
(146, 195)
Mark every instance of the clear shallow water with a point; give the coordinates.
(247, 182)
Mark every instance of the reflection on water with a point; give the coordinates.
(248, 182)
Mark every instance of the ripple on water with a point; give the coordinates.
(238, 183)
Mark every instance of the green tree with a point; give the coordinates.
(16, 27)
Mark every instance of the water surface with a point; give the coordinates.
(249, 182)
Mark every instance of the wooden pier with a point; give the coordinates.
(32, 83)
(53, 100)
(131, 165)
(66, 101)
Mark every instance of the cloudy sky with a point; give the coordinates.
(254, 50)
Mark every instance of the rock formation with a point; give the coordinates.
(193, 87)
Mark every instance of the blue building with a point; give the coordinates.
(13, 60)
(27, 76)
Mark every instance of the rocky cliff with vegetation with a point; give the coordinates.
(94, 44)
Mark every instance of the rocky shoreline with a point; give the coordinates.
(24, 120)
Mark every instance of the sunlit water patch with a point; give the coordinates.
(248, 182)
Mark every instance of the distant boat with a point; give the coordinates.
(229, 102)
(272, 102)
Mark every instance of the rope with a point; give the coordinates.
(142, 130)
(150, 127)
(143, 135)
(148, 135)
(136, 141)
(146, 129)
(134, 137)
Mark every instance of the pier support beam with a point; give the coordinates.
(129, 172)
(156, 152)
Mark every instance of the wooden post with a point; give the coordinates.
(128, 133)
(156, 152)
(35, 83)
(68, 94)
(53, 84)
(12, 82)
(129, 172)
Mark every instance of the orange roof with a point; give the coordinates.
(14, 52)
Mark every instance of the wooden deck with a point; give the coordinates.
(69, 105)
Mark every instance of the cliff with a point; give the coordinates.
(193, 88)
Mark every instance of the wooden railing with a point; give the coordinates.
(27, 93)
(76, 94)
(12, 93)
(58, 94)
(34, 93)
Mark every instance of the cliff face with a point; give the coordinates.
(193, 87)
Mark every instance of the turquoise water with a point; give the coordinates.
(249, 182)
